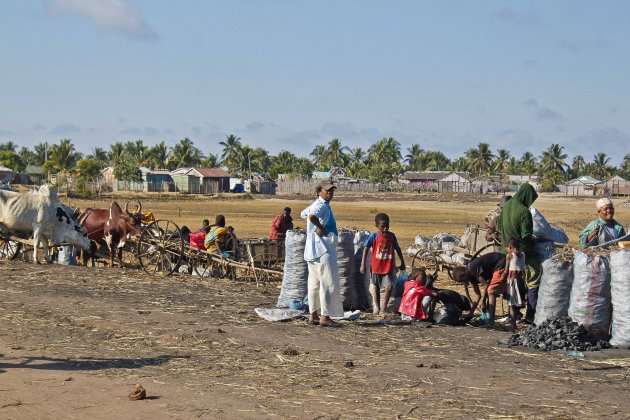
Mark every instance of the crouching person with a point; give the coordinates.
(453, 307)
(417, 301)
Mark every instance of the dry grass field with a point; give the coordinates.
(75, 341)
(411, 215)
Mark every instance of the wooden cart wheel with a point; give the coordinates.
(425, 258)
(160, 248)
(9, 249)
(130, 255)
(481, 250)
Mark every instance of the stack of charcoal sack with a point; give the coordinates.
(558, 334)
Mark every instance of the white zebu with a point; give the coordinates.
(42, 213)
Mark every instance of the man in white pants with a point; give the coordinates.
(321, 254)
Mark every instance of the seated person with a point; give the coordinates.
(232, 241)
(280, 224)
(205, 225)
(603, 229)
(414, 304)
(217, 237)
(454, 306)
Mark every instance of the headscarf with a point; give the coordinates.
(516, 220)
(603, 202)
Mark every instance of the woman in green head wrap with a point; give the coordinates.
(516, 222)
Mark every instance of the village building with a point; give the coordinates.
(614, 186)
(439, 181)
(6, 175)
(201, 180)
(582, 186)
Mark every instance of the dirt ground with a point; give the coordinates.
(75, 341)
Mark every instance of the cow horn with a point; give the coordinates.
(127, 207)
(139, 207)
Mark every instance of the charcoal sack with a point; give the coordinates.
(620, 291)
(345, 259)
(590, 293)
(555, 290)
(362, 281)
(295, 279)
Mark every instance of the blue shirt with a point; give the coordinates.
(315, 246)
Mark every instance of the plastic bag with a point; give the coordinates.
(399, 286)
(345, 260)
(542, 228)
(555, 290)
(295, 279)
(620, 291)
(590, 294)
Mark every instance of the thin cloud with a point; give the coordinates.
(7, 133)
(584, 44)
(39, 127)
(541, 112)
(519, 18)
(64, 129)
(115, 16)
(530, 64)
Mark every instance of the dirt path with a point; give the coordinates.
(75, 341)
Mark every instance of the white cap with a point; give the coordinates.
(603, 202)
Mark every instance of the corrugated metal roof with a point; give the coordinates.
(212, 172)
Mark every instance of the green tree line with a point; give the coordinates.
(384, 160)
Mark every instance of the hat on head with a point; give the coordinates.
(325, 184)
(603, 202)
(504, 200)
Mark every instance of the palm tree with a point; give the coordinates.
(578, 165)
(41, 152)
(625, 166)
(116, 153)
(513, 166)
(63, 156)
(528, 163)
(437, 161)
(26, 156)
(480, 159)
(184, 154)
(320, 156)
(553, 158)
(385, 151)
(211, 161)
(8, 146)
(230, 147)
(501, 161)
(336, 152)
(413, 158)
(459, 165)
(601, 167)
(158, 156)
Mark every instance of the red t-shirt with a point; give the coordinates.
(383, 248)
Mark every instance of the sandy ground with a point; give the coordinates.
(75, 341)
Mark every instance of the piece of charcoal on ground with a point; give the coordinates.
(558, 334)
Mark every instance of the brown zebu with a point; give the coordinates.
(113, 226)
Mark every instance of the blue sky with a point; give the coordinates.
(291, 74)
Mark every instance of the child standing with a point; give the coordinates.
(515, 273)
(383, 244)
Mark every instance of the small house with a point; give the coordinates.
(35, 174)
(6, 175)
(158, 180)
(201, 180)
(582, 186)
(614, 186)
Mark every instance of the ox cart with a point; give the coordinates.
(162, 249)
(446, 256)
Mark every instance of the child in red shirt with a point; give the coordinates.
(415, 291)
(383, 264)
